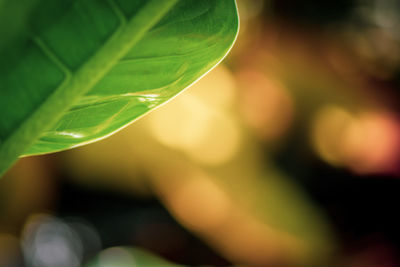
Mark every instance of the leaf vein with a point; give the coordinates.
(41, 44)
(118, 12)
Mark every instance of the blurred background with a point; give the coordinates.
(286, 154)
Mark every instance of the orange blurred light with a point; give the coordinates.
(367, 143)
(246, 240)
(372, 143)
(328, 130)
(265, 105)
(199, 203)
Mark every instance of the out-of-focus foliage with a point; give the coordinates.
(209, 176)
(128, 257)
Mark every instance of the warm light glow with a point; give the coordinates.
(245, 239)
(328, 132)
(182, 123)
(266, 106)
(199, 203)
(219, 144)
(367, 143)
(198, 122)
(372, 143)
(217, 88)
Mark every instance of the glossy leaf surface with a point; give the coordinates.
(73, 72)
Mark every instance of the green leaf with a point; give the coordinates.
(129, 257)
(73, 72)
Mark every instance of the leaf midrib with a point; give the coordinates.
(81, 81)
